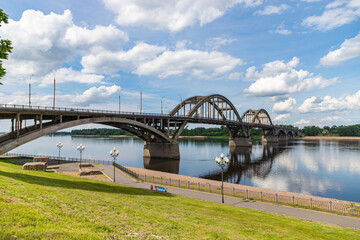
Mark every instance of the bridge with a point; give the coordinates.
(159, 131)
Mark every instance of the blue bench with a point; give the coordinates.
(160, 189)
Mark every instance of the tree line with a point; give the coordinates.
(351, 130)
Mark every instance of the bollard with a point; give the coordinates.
(330, 206)
(310, 203)
(352, 210)
(234, 192)
(199, 186)
(247, 193)
(293, 200)
(209, 187)
(276, 198)
(261, 196)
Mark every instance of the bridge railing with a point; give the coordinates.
(83, 110)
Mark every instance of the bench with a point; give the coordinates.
(160, 189)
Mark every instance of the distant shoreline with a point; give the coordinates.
(330, 138)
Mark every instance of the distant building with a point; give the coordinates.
(325, 131)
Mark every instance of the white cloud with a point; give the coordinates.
(349, 49)
(337, 13)
(279, 78)
(235, 76)
(284, 106)
(64, 75)
(330, 119)
(217, 42)
(281, 30)
(112, 61)
(172, 15)
(196, 63)
(145, 59)
(302, 122)
(42, 43)
(346, 102)
(92, 95)
(282, 117)
(268, 10)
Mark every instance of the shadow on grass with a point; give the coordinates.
(79, 185)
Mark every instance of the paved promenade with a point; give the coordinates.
(322, 217)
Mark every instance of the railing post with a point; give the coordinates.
(234, 192)
(276, 198)
(188, 184)
(179, 183)
(247, 193)
(153, 179)
(310, 203)
(330, 206)
(199, 186)
(209, 187)
(293, 200)
(261, 196)
(352, 210)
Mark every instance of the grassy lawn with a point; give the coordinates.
(45, 205)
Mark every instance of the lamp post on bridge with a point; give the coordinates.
(222, 161)
(59, 145)
(80, 148)
(114, 154)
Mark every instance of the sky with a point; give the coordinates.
(299, 60)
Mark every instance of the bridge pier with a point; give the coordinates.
(240, 142)
(161, 150)
(269, 139)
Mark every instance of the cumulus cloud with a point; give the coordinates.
(282, 117)
(217, 42)
(43, 42)
(112, 61)
(281, 30)
(346, 102)
(145, 59)
(330, 119)
(271, 9)
(196, 63)
(279, 78)
(349, 49)
(172, 15)
(284, 106)
(337, 13)
(302, 122)
(64, 75)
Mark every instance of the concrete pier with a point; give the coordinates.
(161, 150)
(270, 139)
(240, 142)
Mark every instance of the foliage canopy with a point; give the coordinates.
(5, 45)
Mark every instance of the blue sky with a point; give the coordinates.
(300, 60)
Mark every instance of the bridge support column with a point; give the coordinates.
(270, 139)
(161, 150)
(240, 142)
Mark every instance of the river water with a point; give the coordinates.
(320, 168)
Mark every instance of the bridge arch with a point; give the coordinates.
(135, 127)
(212, 106)
(257, 116)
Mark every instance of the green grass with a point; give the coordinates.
(45, 205)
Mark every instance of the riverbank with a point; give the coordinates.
(331, 138)
(67, 207)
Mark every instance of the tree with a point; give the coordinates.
(5, 45)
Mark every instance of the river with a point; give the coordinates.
(320, 168)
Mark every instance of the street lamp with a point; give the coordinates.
(80, 148)
(59, 145)
(114, 154)
(222, 161)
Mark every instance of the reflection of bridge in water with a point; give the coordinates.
(243, 164)
(160, 132)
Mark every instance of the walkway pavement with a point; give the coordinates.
(321, 217)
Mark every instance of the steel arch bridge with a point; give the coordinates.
(159, 131)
